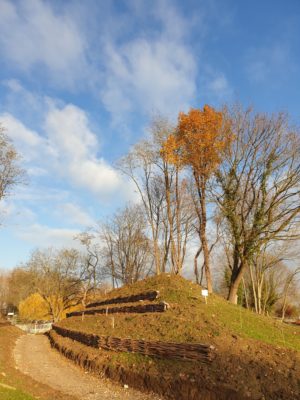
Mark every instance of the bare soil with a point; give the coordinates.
(34, 357)
(238, 371)
(13, 377)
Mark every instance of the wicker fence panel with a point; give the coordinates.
(150, 296)
(181, 351)
(160, 307)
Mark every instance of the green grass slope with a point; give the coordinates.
(189, 318)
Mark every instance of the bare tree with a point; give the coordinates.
(11, 174)
(265, 282)
(126, 249)
(164, 196)
(19, 285)
(288, 283)
(90, 270)
(144, 167)
(259, 186)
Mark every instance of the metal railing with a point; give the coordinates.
(35, 327)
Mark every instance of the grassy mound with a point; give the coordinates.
(255, 357)
(189, 318)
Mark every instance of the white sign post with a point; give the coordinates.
(204, 293)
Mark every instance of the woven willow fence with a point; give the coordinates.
(150, 296)
(181, 351)
(160, 307)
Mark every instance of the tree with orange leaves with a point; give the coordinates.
(199, 142)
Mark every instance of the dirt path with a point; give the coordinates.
(34, 356)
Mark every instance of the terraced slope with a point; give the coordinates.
(255, 357)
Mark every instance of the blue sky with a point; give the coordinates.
(80, 81)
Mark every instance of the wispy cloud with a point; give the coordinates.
(33, 34)
(218, 87)
(67, 147)
(74, 214)
(39, 235)
(155, 70)
(68, 131)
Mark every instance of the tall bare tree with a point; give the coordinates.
(259, 186)
(164, 195)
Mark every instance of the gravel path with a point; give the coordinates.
(35, 357)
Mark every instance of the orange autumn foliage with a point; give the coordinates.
(200, 139)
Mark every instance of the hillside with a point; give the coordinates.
(255, 356)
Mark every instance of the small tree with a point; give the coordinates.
(34, 307)
(90, 260)
(126, 252)
(57, 276)
(288, 284)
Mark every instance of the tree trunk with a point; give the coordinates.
(196, 272)
(202, 195)
(236, 278)
(170, 220)
(253, 288)
(206, 260)
(245, 293)
(156, 251)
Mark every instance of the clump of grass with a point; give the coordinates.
(10, 394)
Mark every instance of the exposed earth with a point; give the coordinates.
(34, 357)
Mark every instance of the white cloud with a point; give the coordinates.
(68, 130)
(68, 149)
(151, 72)
(32, 34)
(75, 215)
(30, 144)
(15, 214)
(18, 132)
(39, 194)
(77, 146)
(218, 87)
(44, 236)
